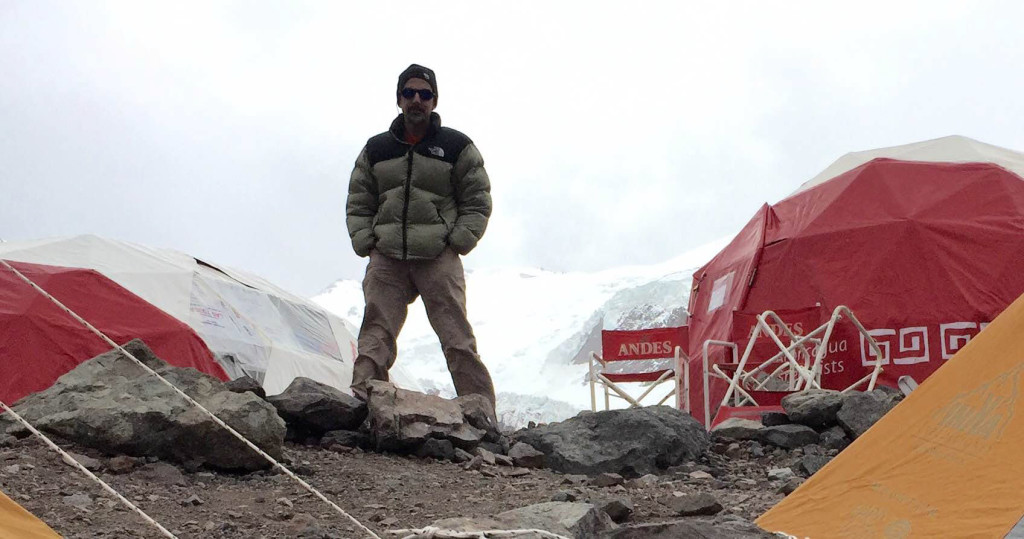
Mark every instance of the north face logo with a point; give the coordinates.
(436, 150)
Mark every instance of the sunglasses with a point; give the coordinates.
(425, 95)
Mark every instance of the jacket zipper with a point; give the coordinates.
(405, 209)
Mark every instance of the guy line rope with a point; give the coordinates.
(188, 399)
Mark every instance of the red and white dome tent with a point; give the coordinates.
(923, 242)
(252, 327)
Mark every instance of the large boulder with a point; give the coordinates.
(111, 404)
(632, 442)
(815, 408)
(862, 410)
(310, 407)
(401, 420)
(576, 520)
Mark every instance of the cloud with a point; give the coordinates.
(613, 133)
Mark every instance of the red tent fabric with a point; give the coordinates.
(39, 342)
(924, 253)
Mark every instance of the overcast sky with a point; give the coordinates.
(614, 133)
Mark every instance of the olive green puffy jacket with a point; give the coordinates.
(409, 202)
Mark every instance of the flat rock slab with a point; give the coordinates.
(790, 436)
(576, 520)
(694, 505)
(697, 529)
(738, 428)
(631, 442)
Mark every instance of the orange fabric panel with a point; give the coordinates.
(946, 462)
(17, 523)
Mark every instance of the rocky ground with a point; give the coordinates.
(384, 492)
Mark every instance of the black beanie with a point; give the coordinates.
(416, 71)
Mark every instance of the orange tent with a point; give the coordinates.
(17, 523)
(944, 463)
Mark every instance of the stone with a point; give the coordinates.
(810, 464)
(246, 383)
(161, 473)
(703, 529)
(815, 408)
(345, 438)
(502, 460)
(575, 479)
(193, 501)
(790, 436)
(862, 410)
(486, 455)
(780, 474)
(734, 451)
(834, 438)
(575, 520)
(475, 463)
(111, 404)
(312, 407)
(88, 462)
(438, 449)
(738, 428)
(564, 496)
(304, 525)
(461, 456)
(618, 508)
(647, 481)
(400, 420)
(790, 485)
(700, 475)
(122, 464)
(771, 419)
(630, 442)
(607, 480)
(524, 455)
(693, 504)
(79, 501)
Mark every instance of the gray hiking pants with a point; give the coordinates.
(389, 287)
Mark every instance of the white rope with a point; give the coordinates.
(192, 401)
(71, 460)
(431, 532)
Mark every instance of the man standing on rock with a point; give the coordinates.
(419, 198)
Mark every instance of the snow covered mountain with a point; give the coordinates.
(535, 328)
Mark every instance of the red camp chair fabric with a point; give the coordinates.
(637, 345)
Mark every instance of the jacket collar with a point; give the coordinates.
(398, 127)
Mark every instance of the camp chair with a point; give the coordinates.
(795, 367)
(639, 345)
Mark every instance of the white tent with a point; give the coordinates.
(252, 326)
